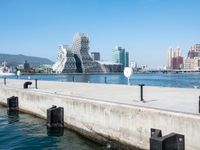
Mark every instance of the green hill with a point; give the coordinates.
(13, 60)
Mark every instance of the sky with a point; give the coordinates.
(145, 28)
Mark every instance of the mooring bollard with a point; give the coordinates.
(55, 117)
(36, 83)
(4, 81)
(12, 103)
(105, 79)
(26, 84)
(141, 92)
(172, 141)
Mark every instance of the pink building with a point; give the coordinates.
(177, 62)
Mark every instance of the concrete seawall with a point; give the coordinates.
(110, 118)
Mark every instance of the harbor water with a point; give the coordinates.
(181, 80)
(23, 131)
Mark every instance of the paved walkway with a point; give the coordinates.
(174, 99)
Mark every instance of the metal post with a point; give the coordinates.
(141, 92)
(199, 104)
(129, 83)
(36, 83)
(4, 81)
(105, 78)
(73, 78)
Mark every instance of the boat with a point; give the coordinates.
(5, 71)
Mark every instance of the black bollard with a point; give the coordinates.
(12, 103)
(141, 92)
(36, 83)
(26, 84)
(105, 78)
(55, 117)
(4, 81)
(73, 78)
(172, 141)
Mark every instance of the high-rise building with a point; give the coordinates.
(127, 59)
(175, 60)
(192, 64)
(194, 51)
(170, 56)
(95, 56)
(192, 61)
(119, 56)
(196, 47)
(177, 52)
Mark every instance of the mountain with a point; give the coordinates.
(13, 60)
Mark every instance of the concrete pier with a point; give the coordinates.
(114, 114)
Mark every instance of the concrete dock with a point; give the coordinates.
(114, 112)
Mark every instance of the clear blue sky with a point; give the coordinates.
(146, 28)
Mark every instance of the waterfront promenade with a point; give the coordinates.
(114, 112)
(184, 100)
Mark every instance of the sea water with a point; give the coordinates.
(20, 131)
(182, 80)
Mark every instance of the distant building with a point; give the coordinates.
(192, 62)
(75, 58)
(120, 56)
(127, 59)
(175, 60)
(170, 56)
(111, 67)
(20, 66)
(26, 65)
(194, 51)
(134, 65)
(143, 68)
(95, 56)
(177, 52)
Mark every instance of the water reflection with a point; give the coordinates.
(57, 132)
(13, 116)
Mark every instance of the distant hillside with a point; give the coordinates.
(20, 59)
